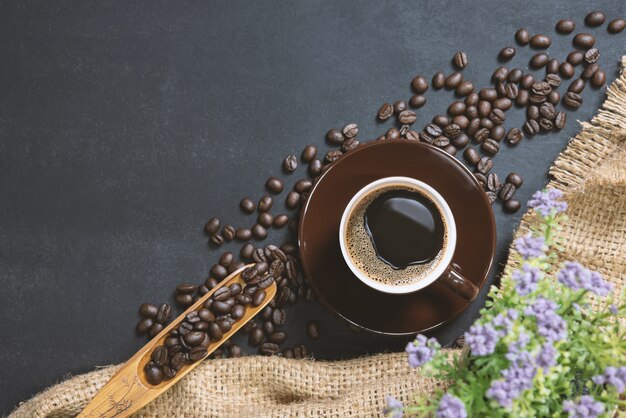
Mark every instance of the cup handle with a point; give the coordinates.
(459, 284)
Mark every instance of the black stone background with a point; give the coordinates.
(125, 125)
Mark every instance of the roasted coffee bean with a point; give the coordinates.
(243, 234)
(290, 248)
(268, 349)
(144, 325)
(493, 182)
(234, 351)
(212, 226)
(531, 127)
(559, 121)
(278, 316)
(471, 155)
(566, 70)
(178, 361)
(484, 165)
(472, 99)
(310, 151)
(575, 58)
(184, 328)
(255, 337)
(417, 101)
(280, 221)
(228, 232)
(441, 120)
(540, 41)
(465, 88)
(439, 80)
(148, 310)
(552, 67)
(407, 117)
(497, 116)
(565, 26)
(184, 300)
(235, 266)
(595, 18)
(522, 98)
(247, 205)
(522, 36)
(511, 91)
(399, 107)
(419, 85)
(486, 123)
(246, 251)
(490, 146)
(315, 168)
(456, 108)
(333, 136)
(192, 317)
(290, 163)
(194, 338)
(616, 26)
(274, 185)
(572, 100)
(277, 337)
(481, 135)
(164, 313)
(238, 311)
(450, 149)
(206, 315)
(598, 79)
(219, 272)
(539, 60)
(235, 289)
(293, 200)
(577, 86)
(265, 219)
(460, 60)
(461, 121)
(484, 108)
(258, 297)
(441, 141)
(211, 282)
(512, 205)
(514, 136)
(592, 55)
(197, 353)
(503, 103)
(501, 88)
(222, 294)
(392, 133)
(153, 373)
(303, 185)
(433, 130)
(332, 156)
(584, 40)
(268, 327)
(515, 75)
(500, 74)
(507, 53)
(507, 191)
(546, 125)
(221, 307)
(349, 145)
(554, 97)
(497, 133)
(351, 130)
(488, 94)
(537, 99)
(473, 126)
(541, 88)
(515, 179)
(548, 111)
(481, 179)
(527, 81)
(385, 111)
(491, 196)
(553, 80)
(454, 80)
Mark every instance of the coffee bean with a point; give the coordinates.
(539, 60)
(144, 325)
(178, 361)
(507, 53)
(265, 219)
(592, 55)
(243, 234)
(577, 86)
(488, 94)
(461, 121)
(277, 337)
(417, 101)
(268, 349)
(212, 226)
(303, 185)
(511, 91)
(490, 146)
(255, 337)
(258, 297)
(559, 121)
(493, 182)
(164, 313)
(419, 85)
(454, 80)
(385, 111)
(221, 307)
(460, 60)
(465, 88)
(350, 130)
(552, 67)
(598, 79)
(293, 200)
(310, 152)
(566, 70)
(315, 168)
(153, 373)
(481, 135)
(399, 107)
(235, 266)
(450, 149)
(512, 205)
(247, 205)
(546, 125)
(548, 111)
(497, 133)
(472, 99)
(481, 179)
(503, 103)
(392, 133)
(584, 40)
(439, 80)
(500, 74)
(186, 288)
(441, 120)
(456, 108)
(407, 117)
(507, 191)
(527, 81)
(515, 75)
(148, 310)
(537, 99)
(197, 353)
(194, 338)
(491, 196)
(531, 127)
(228, 232)
(211, 282)
(484, 108)
(515, 179)
(595, 18)
(258, 231)
(565, 26)
(473, 127)
(541, 88)
(441, 141)
(575, 58)
(155, 329)
(222, 294)
(332, 156)
(349, 145)
(522, 98)
(484, 165)
(540, 41)
(514, 136)
(486, 123)
(501, 88)
(290, 163)
(238, 311)
(616, 26)
(452, 131)
(522, 36)
(572, 100)
(278, 316)
(247, 250)
(471, 155)
(554, 97)
(280, 220)
(497, 116)
(274, 185)
(333, 136)
(268, 327)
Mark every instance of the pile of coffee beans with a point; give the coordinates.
(474, 125)
(153, 318)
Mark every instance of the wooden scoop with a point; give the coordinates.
(128, 390)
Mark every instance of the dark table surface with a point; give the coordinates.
(126, 125)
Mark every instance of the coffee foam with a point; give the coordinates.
(363, 255)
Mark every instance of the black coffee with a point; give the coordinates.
(405, 228)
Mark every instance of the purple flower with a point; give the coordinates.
(482, 339)
(422, 350)
(547, 202)
(515, 379)
(546, 357)
(393, 408)
(526, 279)
(540, 306)
(614, 376)
(505, 321)
(551, 326)
(515, 348)
(530, 247)
(613, 309)
(586, 407)
(451, 407)
(577, 277)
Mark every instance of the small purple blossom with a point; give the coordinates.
(421, 350)
(451, 407)
(526, 279)
(515, 348)
(546, 357)
(551, 326)
(540, 306)
(586, 407)
(547, 202)
(517, 378)
(614, 376)
(530, 247)
(613, 309)
(482, 339)
(504, 321)
(577, 277)
(393, 408)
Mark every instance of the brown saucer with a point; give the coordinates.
(326, 269)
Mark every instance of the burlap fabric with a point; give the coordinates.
(591, 172)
